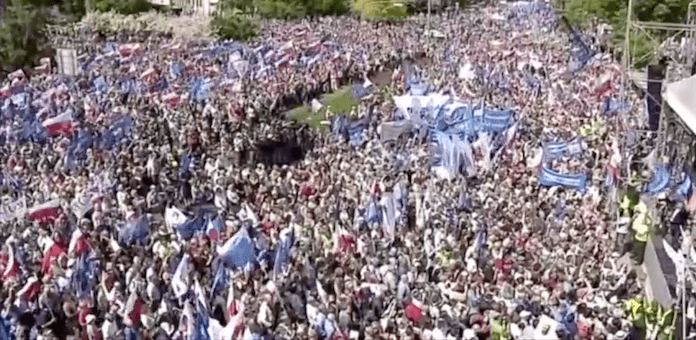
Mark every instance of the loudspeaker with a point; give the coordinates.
(656, 74)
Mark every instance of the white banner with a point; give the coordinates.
(11, 208)
(80, 205)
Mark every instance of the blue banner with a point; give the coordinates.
(550, 178)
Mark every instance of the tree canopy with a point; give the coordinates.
(381, 9)
(585, 13)
(21, 39)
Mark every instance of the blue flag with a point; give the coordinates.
(220, 278)
(660, 180)
(101, 87)
(360, 91)
(192, 227)
(6, 331)
(135, 232)
(239, 251)
(120, 132)
(684, 189)
(282, 255)
(77, 151)
(200, 331)
(176, 70)
(85, 276)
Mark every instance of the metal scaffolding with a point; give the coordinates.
(673, 141)
(678, 68)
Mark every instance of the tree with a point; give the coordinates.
(21, 37)
(123, 6)
(380, 9)
(228, 24)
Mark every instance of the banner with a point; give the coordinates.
(80, 205)
(11, 208)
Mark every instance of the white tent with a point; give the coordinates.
(681, 96)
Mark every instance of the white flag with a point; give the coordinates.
(181, 277)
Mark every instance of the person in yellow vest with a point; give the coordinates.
(642, 222)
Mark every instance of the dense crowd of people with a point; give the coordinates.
(162, 195)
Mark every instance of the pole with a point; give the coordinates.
(628, 40)
(686, 259)
(683, 292)
(427, 32)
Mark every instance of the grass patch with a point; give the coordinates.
(340, 101)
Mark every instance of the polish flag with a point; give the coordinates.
(149, 76)
(61, 124)
(235, 315)
(235, 327)
(134, 309)
(11, 267)
(231, 309)
(171, 99)
(46, 212)
(344, 242)
(129, 49)
(79, 243)
(54, 252)
(414, 311)
(30, 290)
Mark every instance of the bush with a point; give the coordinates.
(230, 25)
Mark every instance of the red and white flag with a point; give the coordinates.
(235, 311)
(171, 99)
(54, 253)
(46, 212)
(134, 309)
(11, 271)
(61, 124)
(79, 243)
(30, 290)
(129, 49)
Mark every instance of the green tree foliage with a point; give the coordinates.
(273, 9)
(75, 9)
(380, 9)
(288, 9)
(585, 13)
(229, 24)
(327, 7)
(123, 6)
(21, 38)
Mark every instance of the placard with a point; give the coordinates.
(11, 208)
